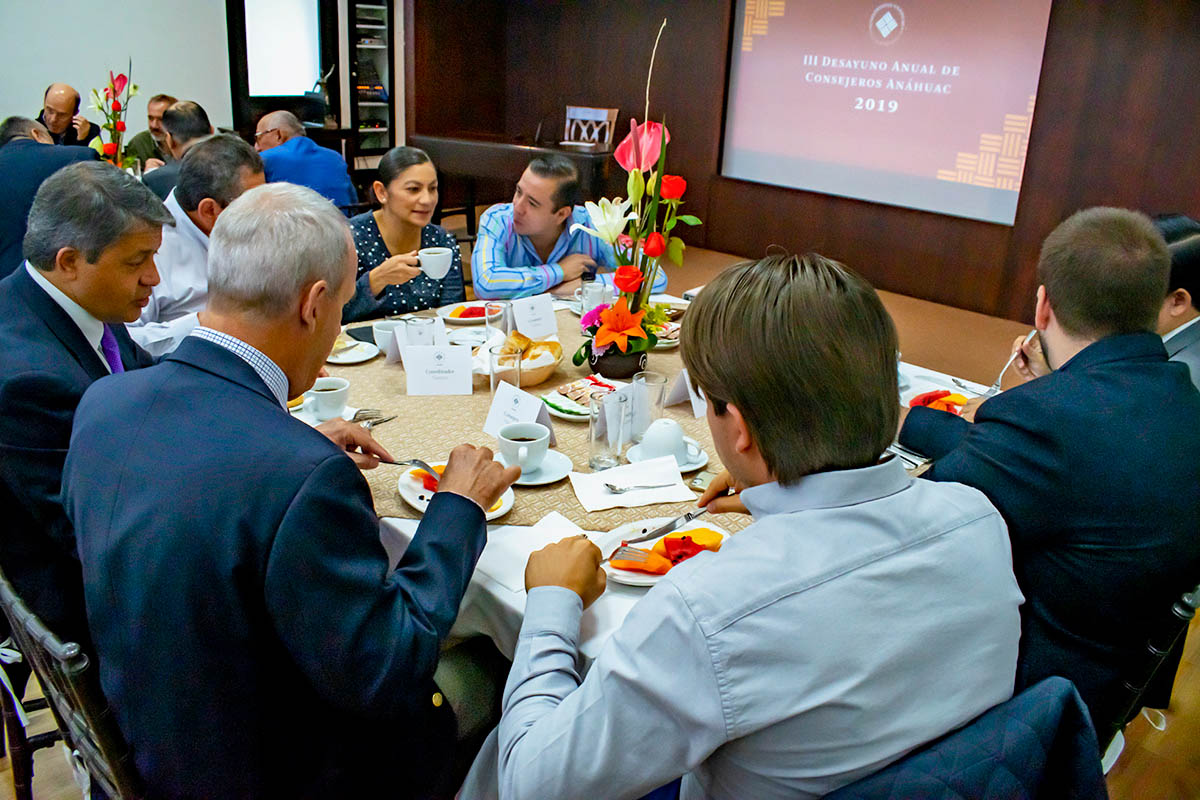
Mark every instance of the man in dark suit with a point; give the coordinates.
(92, 235)
(251, 639)
(27, 157)
(60, 114)
(185, 123)
(1095, 464)
(1179, 318)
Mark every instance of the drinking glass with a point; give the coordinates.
(497, 317)
(592, 294)
(649, 392)
(608, 429)
(503, 367)
(419, 330)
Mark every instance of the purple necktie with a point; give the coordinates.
(108, 344)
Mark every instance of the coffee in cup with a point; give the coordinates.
(329, 397)
(435, 261)
(524, 444)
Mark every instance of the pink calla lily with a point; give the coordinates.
(639, 150)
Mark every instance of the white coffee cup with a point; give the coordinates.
(664, 437)
(329, 397)
(382, 331)
(435, 261)
(523, 444)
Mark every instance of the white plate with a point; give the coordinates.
(470, 337)
(666, 344)
(554, 467)
(360, 352)
(413, 492)
(566, 402)
(635, 455)
(444, 313)
(633, 529)
(575, 307)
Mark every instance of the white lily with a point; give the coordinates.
(608, 217)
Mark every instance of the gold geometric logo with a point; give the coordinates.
(1001, 157)
(755, 23)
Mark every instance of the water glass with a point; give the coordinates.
(608, 429)
(503, 367)
(497, 316)
(419, 330)
(649, 392)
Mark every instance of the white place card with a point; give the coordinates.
(534, 316)
(682, 391)
(434, 369)
(399, 340)
(513, 405)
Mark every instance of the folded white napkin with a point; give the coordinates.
(509, 547)
(594, 495)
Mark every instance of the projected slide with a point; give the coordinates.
(925, 104)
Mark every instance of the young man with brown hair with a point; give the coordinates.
(862, 614)
(1095, 465)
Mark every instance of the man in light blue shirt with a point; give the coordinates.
(526, 247)
(863, 614)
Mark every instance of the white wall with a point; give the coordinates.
(178, 47)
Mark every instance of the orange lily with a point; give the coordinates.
(617, 325)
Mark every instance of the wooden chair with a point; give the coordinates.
(22, 746)
(593, 125)
(72, 686)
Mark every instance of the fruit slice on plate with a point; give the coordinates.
(672, 549)
(467, 312)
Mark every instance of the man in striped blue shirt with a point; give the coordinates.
(526, 247)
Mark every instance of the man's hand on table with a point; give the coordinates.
(574, 265)
(356, 441)
(566, 289)
(472, 473)
(718, 500)
(572, 563)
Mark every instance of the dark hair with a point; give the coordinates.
(88, 206)
(186, 121)
(212, 167)
(15, 128)
(1175, 227)
(46, 94)
(397, 160)
(562, 168)
(162, 98)
(1185, 268)
(805, 350)
(1105, 272)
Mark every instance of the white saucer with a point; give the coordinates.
(667, 344)
(470, 337)
(360, 352)
(634, 455)
(413, 492)
(306, 412)
(554, 467)
(444, 313)
(632, 529)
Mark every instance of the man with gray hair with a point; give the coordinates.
(90, 248)
(290, 156)
(213, 173)
(255, 612)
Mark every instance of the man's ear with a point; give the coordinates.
(67, 261)
(310, 304)
(1179, 302)
(561, 215)
(743, 442)
(209, 209)
(1042, 313)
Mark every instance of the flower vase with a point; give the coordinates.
(615, 364)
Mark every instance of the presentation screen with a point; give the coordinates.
(924, 104)
(282, 46)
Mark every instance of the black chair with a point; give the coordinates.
(72, 686)
(22, 746)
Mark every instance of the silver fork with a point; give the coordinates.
(623, 489)
(624, 553)
(994, 389)
(365, 414)
(412, 462)
(371, 424)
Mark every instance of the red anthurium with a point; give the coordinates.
(655, 245)
(110, 148)
(628, 278)
(120, 125)
(673, 187)
(118, 83)
(116, 105)
(639, 150)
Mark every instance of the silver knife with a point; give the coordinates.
(674, 524)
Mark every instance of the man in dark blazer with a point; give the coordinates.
(92, 234)
(60, 114)
(1179, 318)
(27, 157)
(252, 641)
(185, 123)
(1094, 465)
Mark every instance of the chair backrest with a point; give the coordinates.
(72, 685)
(1039, 744)
(586, 124)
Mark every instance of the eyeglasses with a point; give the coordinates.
(264, 133)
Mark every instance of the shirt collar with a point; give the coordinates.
(832, 489)
(267, 369)
(91, 328)
(1172, 334)
(562, 245)
(183, 223)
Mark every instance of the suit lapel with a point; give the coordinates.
(1182, 341)
(60, 324)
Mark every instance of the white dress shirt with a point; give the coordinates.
(862, 614)
(1169, 335)
(182, 263)
(91, 328)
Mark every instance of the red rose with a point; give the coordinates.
(628, 278)
(120, 126)
(673, 187)
(110, 149)
(655, 245)
(116, 105)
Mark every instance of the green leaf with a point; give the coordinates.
(675, 251)
(670, 225)
(580, 354)
(636, 185)
(688, 219)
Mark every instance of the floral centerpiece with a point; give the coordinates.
(114, 109)
(640, 231)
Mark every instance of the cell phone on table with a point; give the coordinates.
(701, 481)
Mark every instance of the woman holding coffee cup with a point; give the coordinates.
(405, 262)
